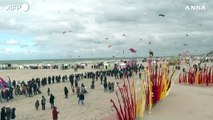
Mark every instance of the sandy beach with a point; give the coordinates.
(184, 102)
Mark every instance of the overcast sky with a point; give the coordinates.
(38, 33)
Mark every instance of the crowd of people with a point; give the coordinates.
(8, 113)
(32, 87)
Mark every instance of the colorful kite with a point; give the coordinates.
(109, 46)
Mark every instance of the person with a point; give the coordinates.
(81, 98)
(8, 112)
(37, 104)
(52, 98)
(93, 84)
(3, 113)
(55, 113)
(66, 92)
(78, 91)
(48, 91)
(43, 102)
(140, 75)
(105, 86)
(73, 90)
(13, 113)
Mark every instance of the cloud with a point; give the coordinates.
(12, 42)
(94, 20)
(7, 51)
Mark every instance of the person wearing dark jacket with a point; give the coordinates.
(8, 112)
(43, 102)
(37, 104)
(66, 91)
(52, 99)
(13, 113)
(48, 91)
(55, 113)
(81, 98)
(3, 113)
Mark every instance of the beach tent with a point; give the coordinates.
(106, 65)
(3, 84)
(122, 65)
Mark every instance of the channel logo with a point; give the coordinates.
(18, 7)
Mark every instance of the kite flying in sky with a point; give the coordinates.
(109, 46)
(162, 15)
(132, 50)
(185, 44)
(66, 31)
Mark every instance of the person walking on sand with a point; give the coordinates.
(52, 99)
(81, 98)
(37, 104)
(55, 113)
(78, 91)
(66, 91)
(43, 103)
(48, 91)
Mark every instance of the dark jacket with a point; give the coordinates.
(3, 114)
(66, 91)
(52, 98)
(81, 97)
(13, 113)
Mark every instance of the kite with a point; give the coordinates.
(132, 50)
(140, 39)
(106, 38)
(185, 44)
(66, 31)
(124, 35)
(187, 35)
(151, 54)
(162, 15)
(109, 46)
(150, 43)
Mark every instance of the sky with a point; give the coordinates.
(92, 25)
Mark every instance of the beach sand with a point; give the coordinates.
(183, 103)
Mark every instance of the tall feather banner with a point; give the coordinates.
(154, 87)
